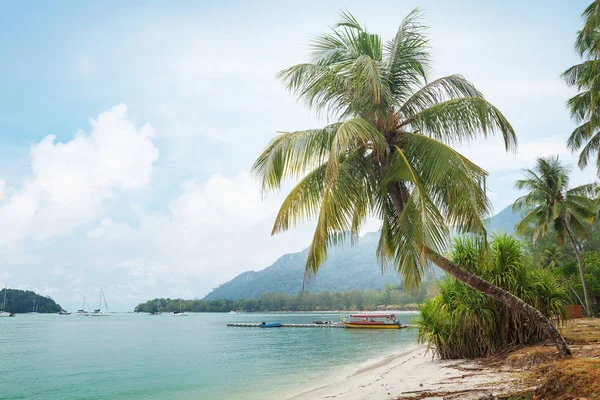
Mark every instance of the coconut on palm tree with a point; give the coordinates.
(585, 77)
(389, 155)
(551, 204)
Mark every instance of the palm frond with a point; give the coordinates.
(460, 120)
(292, 154)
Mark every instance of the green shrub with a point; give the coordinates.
(463, 323)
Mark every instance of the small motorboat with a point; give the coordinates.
(323, 322)
(64, 312)
(273, 325)
(373, 321)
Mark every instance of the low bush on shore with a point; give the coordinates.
(463, 323)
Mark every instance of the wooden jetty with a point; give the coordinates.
(292, 325)
(301, 326)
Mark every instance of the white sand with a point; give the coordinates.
(410, 374)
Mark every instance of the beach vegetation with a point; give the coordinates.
(551, 204)
(585, 78)
(463, 323)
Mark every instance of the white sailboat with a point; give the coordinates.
(179, 313)
(157, 308)
(34, 308)
(3, 312)
(98, 312)
(82, 311)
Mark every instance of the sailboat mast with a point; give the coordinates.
(100, 302)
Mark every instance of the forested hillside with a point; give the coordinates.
(348, 267)
(21, 301)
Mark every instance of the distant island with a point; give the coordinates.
(391, 297)
(22, 301)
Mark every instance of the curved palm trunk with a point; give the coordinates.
(500, 295)
(580, 264)
(483, 286)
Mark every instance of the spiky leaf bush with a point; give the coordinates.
(463, 323)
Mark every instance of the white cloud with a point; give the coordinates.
(72, 181)
(212, 231)
(109, 229)
(4, 276)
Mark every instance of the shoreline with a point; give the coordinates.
(410, 373)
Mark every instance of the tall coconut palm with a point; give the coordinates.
(389, 156)
(585, 77)
(551, 257)
(551, 204)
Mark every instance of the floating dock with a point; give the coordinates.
(292, 325)
(301, 326)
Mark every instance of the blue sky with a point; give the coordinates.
(154, 199)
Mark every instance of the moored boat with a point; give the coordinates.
(64, 312)
(179, 313)
(273, 325)
(372, 321)
(83, 307)
(157, 312)
(98, 312)
(3, 312)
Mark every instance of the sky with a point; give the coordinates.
(127, 130)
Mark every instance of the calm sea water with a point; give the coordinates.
(131, 356)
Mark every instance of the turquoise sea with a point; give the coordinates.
(137, 356)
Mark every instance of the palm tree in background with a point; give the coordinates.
(552, 257)
(389, 156)
(551, 204)
(585, 77)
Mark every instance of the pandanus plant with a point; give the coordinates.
(389, 155)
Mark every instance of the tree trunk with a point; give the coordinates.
(580, 264)
(500, 295)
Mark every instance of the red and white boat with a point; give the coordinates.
(372, 321)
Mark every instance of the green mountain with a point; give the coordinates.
(346, 268)
(21, 301)
(504, 221)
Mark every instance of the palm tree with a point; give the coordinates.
(551, 204)
(585, 77)
(551, 257)
(389, 156)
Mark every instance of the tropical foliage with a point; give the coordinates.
(585, 77)
(462, 323)
(389, 155)
(21, 301)
(392, 297)
(391, 146)
(551, 204)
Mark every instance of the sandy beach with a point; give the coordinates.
(413, 374)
